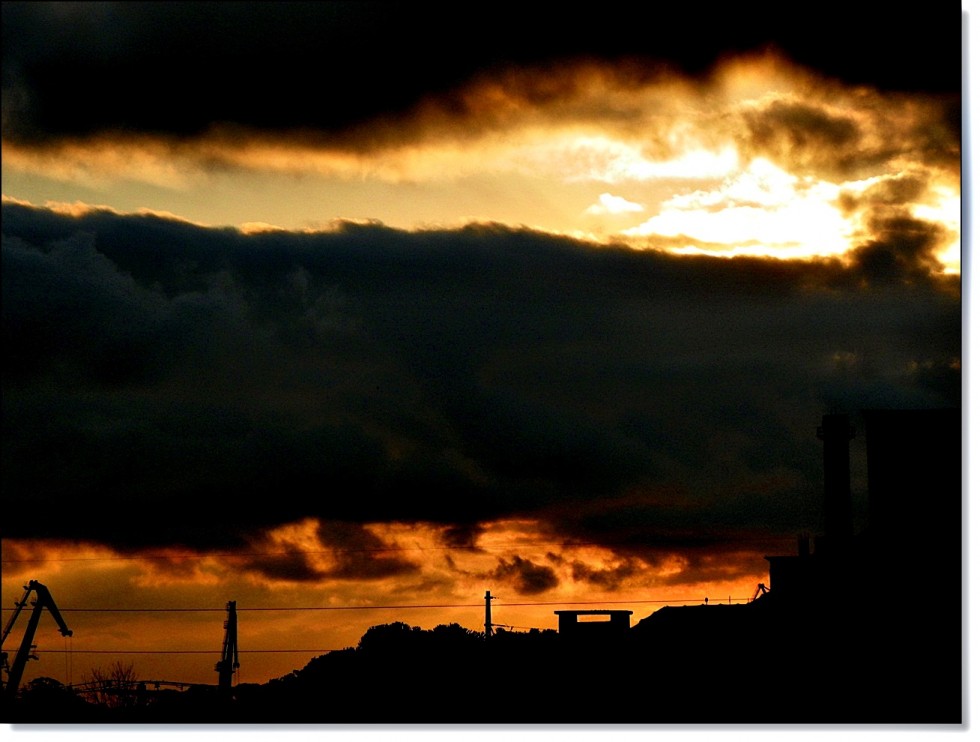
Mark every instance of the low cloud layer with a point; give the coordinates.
(168, 384)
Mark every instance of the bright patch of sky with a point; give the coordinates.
(762, 206)
(610, 204)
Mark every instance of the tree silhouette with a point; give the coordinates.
(114, 686)
(46, 699)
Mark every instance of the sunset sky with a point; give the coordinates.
(350, 312)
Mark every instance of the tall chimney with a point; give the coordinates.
(836, 434)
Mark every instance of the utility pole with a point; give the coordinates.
(488, 625)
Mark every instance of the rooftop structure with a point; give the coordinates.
(570, 626)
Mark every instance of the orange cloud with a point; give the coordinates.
(125, 602)
(686, 149)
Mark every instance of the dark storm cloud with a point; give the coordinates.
(294, 567)
(802, 123)
(815, 138)
(891, 192)
(351, 552)
(904, 248)
(802, 135)
(208, 385)
(527, 577)
(75, 69)
(899, 246)
(464, 535)
(360, 554)
(607, 579)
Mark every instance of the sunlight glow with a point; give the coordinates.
(759, 158)
(606, 160)
(945, 210)
(761, 210)
(610, 204)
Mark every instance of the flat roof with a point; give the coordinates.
(594, 612)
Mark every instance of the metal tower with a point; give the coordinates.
(228, 663)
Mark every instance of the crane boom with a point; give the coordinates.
(42, 600)
(229, 649)
(13, 619)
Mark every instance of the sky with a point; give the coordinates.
(350, 312)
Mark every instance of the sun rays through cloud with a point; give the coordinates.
(750, 161)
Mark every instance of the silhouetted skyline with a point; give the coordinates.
(850, 656)
(356, 311)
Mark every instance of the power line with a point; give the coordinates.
(404, 606)
(259, 608)
(176, 651)
(510, 626)
(613, 602)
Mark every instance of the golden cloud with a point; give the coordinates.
(760, 152)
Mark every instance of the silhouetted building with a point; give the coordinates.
(807, 574)
(915, 506)
(915, 483)
(912, 552)
(792, 574)
(836, 432)
(884, 607)
(569, 626)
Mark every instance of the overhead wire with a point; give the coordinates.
(394, 606)
(178, 651)
(70, 650)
